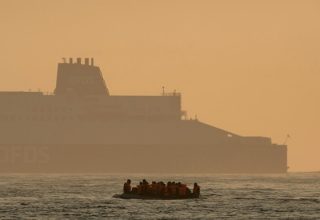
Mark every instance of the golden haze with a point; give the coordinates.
(251, 67)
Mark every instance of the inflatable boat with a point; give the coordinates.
(152, 197)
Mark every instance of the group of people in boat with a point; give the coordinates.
(160, 189)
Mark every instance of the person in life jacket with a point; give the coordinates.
(139, 188)
(145, 186)
(196, 190)
(182, 190)
(168, 187)
(127, 186)
(162, 188)
(134, 190)
(154, 188)
(173, 189)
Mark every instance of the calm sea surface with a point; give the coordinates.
(75, 196)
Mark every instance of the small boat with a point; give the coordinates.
(152, 197)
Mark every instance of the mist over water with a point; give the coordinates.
(83, 196)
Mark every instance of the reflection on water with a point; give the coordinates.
(294, 195)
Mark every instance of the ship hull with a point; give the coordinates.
(165, 158)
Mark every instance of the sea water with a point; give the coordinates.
(88, 196)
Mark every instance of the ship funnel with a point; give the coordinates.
(70, 60)
(92, 62)
(72, 80)
(86, 61)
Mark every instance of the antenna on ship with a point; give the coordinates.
(286, 139)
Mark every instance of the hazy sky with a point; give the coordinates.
(251, 67)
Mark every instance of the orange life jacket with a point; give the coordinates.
(139, 189)
(182, 190)
(154, 188)
(166, 191)
(148, 188)
(126, 188)
(173, 190)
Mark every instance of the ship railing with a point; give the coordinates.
(185, 117)
(171, 94)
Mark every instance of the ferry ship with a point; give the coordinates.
(82, 128)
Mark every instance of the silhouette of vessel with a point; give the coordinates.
(82, 128)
